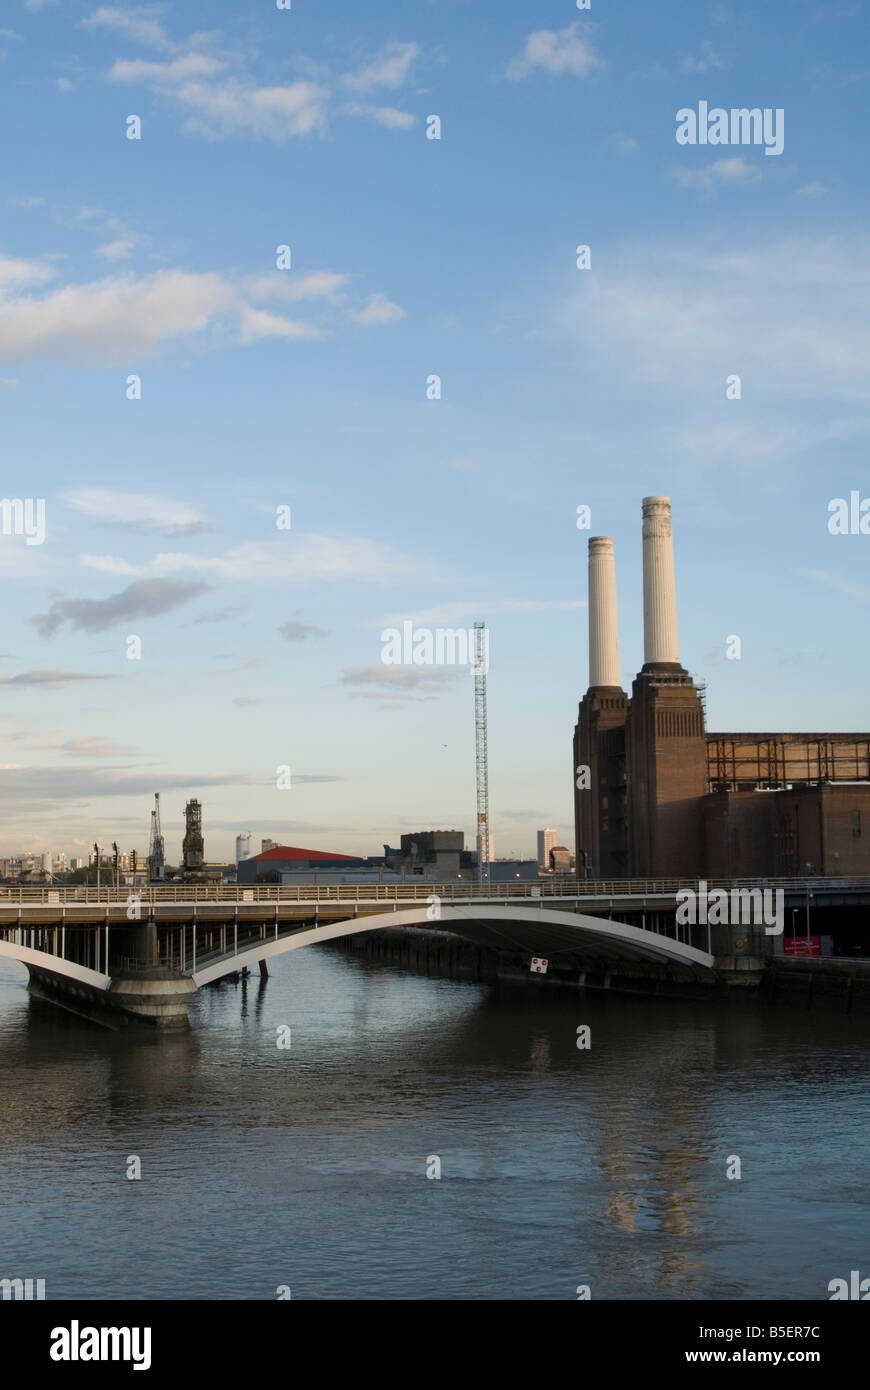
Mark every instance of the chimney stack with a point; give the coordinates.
(603, 631)
(660, 645)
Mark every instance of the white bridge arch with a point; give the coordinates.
(539, 932)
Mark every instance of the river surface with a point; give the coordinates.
(306, 1166)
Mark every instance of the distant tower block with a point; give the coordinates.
(243, 846)
(603, 628)
(660, 643)
(192, 846)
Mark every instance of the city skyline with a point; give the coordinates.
(309, 388)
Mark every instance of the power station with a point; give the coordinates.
(657, 796)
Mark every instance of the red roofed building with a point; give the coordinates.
(273, 864)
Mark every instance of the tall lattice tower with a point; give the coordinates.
(480, 666)
(156, 861)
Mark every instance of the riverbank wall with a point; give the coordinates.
(840, 985)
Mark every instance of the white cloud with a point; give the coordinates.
(48, 678)
(565, 51)
(119, 249)
(110, 564)
(382, 115)
(318, 284)
(812, 190)
(228, 106)
(843, 586)
(310, 558)
(706, 58)
(733, 172)
(759, 446)
(388, 69)
(107, 321)
(137, 25)
(20, 272)
(402, 682)
(378, 311)
(256, 323)
(179, 70)
(788, 316)
(126, 316)
(138, 509)
(26, 202)
(464, 612)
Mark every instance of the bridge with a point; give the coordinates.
(145, 952)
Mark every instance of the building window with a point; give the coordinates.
(856, 824)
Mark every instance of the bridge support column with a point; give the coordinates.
(145, 941)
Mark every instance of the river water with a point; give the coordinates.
(306, 1166)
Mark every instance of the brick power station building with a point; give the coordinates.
(663, 798)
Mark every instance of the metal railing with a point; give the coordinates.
(559, 886)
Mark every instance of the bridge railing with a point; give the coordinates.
(559, 886)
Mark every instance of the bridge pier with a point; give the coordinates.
(162, 1001)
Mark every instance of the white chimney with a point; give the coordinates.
(603, 630)
(660, 642)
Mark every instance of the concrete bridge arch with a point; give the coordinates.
(536, 931)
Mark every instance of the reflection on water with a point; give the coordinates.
(264, 1166)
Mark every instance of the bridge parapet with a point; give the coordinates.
(561, 886)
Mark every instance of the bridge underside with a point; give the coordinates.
(84, 964)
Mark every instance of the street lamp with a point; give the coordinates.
(809, 895)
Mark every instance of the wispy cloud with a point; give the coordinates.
(319, 284)
(49, 678)
(467, 611)
(109, 321)
(702, 61)
(791, 315)
(300, 632)
(146, 598)
(257, 323)
(402, 683)
(119, 249)
(388, 116)
(135, 23)
(139, 511)
(842, 586)
(378, 311)
(557, 52)
(219, 104)
(390, 68)
(733, 172)
(312, 558)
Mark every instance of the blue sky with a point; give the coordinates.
(306, 388)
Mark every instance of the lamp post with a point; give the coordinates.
(808, 913)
